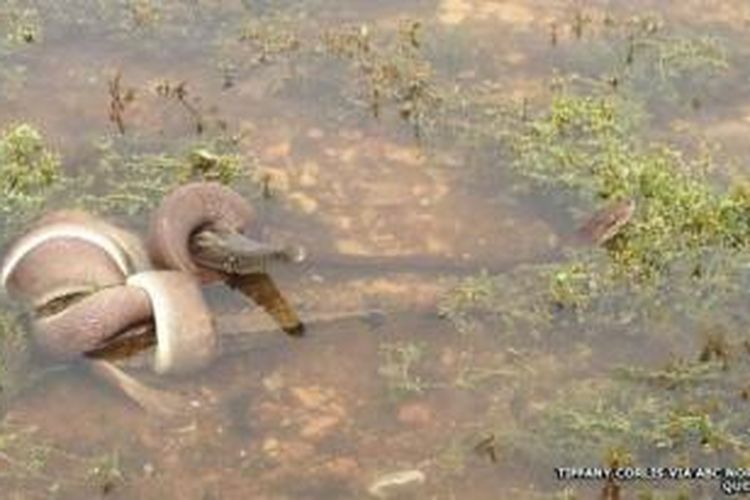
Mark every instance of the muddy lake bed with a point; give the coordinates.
(458, 145)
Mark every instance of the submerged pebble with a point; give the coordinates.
(415, 414)
(303, 202)
(396, 483)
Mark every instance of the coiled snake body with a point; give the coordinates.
(93, 285)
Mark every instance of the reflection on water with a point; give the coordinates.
(463, 132)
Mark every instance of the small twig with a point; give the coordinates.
(118, 100)
(179, 92)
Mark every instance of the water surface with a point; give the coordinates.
(397, 149)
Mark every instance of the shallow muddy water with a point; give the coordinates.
(434, 132)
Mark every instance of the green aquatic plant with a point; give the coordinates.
(517, 301)
(674, 57)
(453, 456)
(226, 168)
(390, 68)
(28, 171)
(19, 23)
(589, 146)
(33, 466)
(131, 182)
(271, 37)
(394, 72)
(678, 260)
(588, 420)
(144, 13)
(690, 411)
(583, 424)
(632, 60)
(679, 265)
(28, 167)
(14, 357)
(677, 62)
(572, 286)
(105, 472)
(642, 55)
(398, 368)
(25, 455)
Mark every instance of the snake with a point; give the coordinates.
(93, 285)
(224, 250)
(76, 272)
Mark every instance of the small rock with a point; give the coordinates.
(292, 451)
(309, 175)
(267, 412)
(277, 179)
(341, 467)
(312, 396)
(319, 426)
(415, 414)
(351, 134)
(304, 202)
(411, 156)
(277, 151)
(448, 357)
(396, 483)
(348, 155)
(274, 382)
(149, 469)
(344, 222)
(271, 447)
(315, 133)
